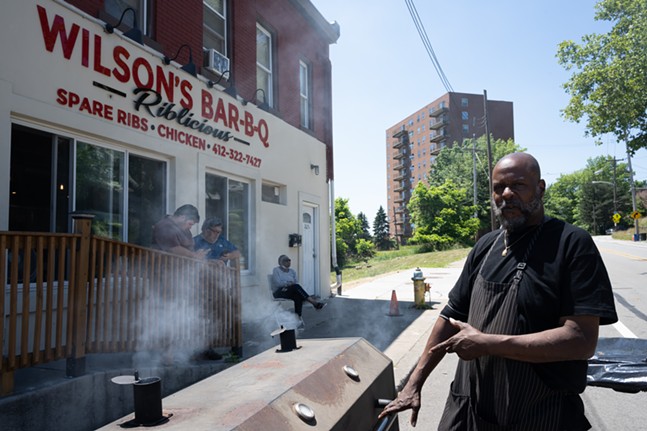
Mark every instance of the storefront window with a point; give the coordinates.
(44, 165)
(39, 181)
(228, 199)
(101, 191)
(100, 188)
(146, 197)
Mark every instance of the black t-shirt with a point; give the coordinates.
(565, 276)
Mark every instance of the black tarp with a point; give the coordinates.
(619, 364)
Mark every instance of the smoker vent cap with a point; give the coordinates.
(351, 372)
(304, 412)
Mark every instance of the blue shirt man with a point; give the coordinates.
(211, 239)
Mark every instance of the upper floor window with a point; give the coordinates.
(464, 102)
(304, 93)
(214, 35)
(264, 63)
(465, 116)
(142, 8)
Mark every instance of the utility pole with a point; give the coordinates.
(615, 202)
(633, 196)
(489, 157)
(474, 173)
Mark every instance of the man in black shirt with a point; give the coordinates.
(523, 318)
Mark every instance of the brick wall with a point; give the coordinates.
(176, 23)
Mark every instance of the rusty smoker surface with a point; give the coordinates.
(325, 384)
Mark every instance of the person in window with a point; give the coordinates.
(285, 285)
(211, 239)
(173, 233)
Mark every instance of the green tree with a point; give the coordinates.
(442, 216)
(585, 197)
(363, 223)
(596, 205)
(609, 83)
(342, 252)
(347, 229)
(456, 164)
(562, 197)
(381, 230)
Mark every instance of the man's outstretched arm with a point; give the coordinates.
(409, 397)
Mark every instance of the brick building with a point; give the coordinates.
(127, 109)
(413, 143)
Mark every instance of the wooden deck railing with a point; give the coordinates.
(68, 295)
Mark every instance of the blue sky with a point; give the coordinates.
(382, 73)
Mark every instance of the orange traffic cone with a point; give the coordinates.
(394, 309)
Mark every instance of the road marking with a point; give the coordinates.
(620, 253)
(624, 331)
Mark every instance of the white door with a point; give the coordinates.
(310, 256)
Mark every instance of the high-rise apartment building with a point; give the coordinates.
(413, 144)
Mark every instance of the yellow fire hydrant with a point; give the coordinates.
(418, 289)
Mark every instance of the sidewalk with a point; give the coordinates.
(407, 347)
(405, 350)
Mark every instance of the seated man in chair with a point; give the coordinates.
(285, 285)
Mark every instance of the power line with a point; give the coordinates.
(425, 41)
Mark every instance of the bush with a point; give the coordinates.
(431, 242)
(342, 252)
(365, 249)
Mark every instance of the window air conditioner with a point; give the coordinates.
(216, 62)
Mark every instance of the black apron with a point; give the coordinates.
(492, 393)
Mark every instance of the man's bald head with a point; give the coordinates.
(526, 160)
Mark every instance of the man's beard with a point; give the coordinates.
(518, 222)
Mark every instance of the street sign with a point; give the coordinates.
(616, 218)
(635, 215)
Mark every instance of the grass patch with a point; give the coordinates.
(407, 257)
(628, 235)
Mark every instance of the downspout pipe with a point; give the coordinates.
(333, 238)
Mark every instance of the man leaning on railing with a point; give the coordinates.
(173, 233)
